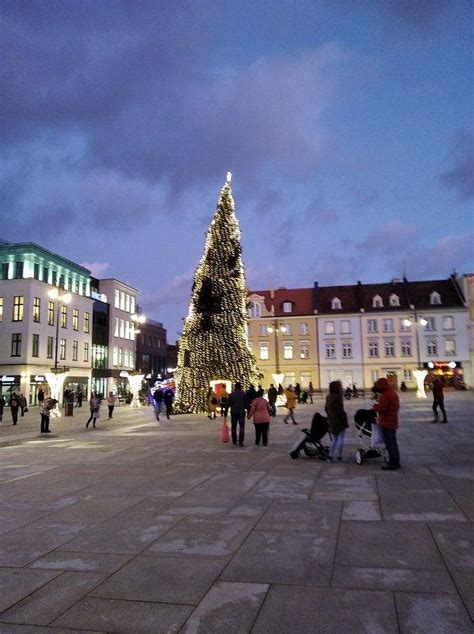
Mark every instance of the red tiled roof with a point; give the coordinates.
(302, 299)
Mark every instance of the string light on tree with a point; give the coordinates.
(214, 343)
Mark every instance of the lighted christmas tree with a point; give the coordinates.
(214, 344)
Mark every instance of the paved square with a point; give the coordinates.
(146, 527)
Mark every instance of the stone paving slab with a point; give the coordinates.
(145, 527)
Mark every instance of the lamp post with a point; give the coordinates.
(277, 328)
(420, 374)
(135, 381)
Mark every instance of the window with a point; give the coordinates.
(287, 329)
(435, 298)
(45, 274)
(69, 283)
(116, 326)
(405, 324)
(50, 313)
(5, 266)
(290, 378)
(430, 323)
(336, 304)
(132, 305)
(377, 301)
(304, 350)
(62, 349)
(305, 379)
(330, 351)
(62, 281)
(389, 349)
(249, 330)
(35, 346)
(255, 310)
(407, 375)
(375, 375)
(16, 344)
(115, 356)
(345, 327)
(373, 349)
(116, 298)
(87, 322)
(75, 320)
(54, 278)
(63, 316)
(448, 323)
(18, 270)
(127, 302)
(388, 325)
(263, 351)
(329, 328)
(262, 330)
(406, 348)
(449, 346)
(36, 271)
(288, 350)
(121, 329)
(347, 351)
(394, 300)
(1, 308)
(287, 307)
(18, 308)
(36, 309)
(122, 300)
(120, 357)
(75, 350)
(304, 328)
(49, 347)
(86, 353)
(372, 325)
(431, 347)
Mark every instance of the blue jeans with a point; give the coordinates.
(237, 419)
(390, 440)
(337, 444)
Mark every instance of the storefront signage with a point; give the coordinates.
(37, 378)
(99, 296)
(10, 379)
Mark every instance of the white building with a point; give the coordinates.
(45, 320)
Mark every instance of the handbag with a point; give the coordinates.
(224, 433)
(25, 410)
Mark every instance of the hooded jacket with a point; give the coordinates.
(388, 405)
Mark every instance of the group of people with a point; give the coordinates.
(16, 404)
(163, 398)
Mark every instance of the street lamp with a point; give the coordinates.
(420, 374)
(277, 328)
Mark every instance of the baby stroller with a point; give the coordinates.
(369, 435)
(311, 443)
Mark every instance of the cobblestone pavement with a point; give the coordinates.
(146, 527)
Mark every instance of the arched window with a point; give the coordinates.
(377, 301)
(435, 298)
(394, 300)
(336, 303)
(255, 310)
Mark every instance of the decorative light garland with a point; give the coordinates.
(214, 343)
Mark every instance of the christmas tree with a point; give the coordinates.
(214, 343)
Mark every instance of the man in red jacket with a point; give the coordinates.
(387, 409)
(438, 400)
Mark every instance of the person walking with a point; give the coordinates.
(224, 403)
(337, 419)
(310, 391)
(23, 404)
(46, 407)
(272, 398)
(168, 397)
(298, 392)
(212, 404)
(40, 396)
(387, 409)
(111, 400)
(238, 405)
(251, 394)
(438, 400)
(79, 397)
(14, 407)
(261, 412)
(94, 407)
(158, 399)
(2, 405)
(290, 404)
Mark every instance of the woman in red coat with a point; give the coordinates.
(387, 409)
(261, 411)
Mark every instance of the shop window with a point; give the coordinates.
(35, 346)
(16, 344)
(18, 305)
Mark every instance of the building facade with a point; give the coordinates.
(151, 349)
(45, 320)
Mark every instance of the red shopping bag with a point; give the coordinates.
(224, 433)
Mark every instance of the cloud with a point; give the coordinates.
(97, 269)
(460, 177)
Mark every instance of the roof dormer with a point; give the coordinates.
(287, 306)
(394, 300)
(377, 301)
(435, 298)
(336, 304)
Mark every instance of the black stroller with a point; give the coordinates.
(311, 443)
(371, 444)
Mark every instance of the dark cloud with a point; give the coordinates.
(460, 177)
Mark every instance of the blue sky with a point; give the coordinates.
(347, 126)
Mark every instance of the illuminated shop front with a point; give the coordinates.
(450, 372)
(9, 384)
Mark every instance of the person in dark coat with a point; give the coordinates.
(272, 398)
(2, 405)
(168, 397)
(23, 404)
(79, 397)
(238, 409)
(387, 408)
(337, 419)
(438, 400)
(298, 392)
(158, 398)
(45, 410)
(40, 396)
(14, 407)
(251, 396)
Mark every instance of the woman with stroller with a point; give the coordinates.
(337, 419)
(261, 412)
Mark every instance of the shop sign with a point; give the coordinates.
(10, 379)
(37, 378)
(99, 296)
